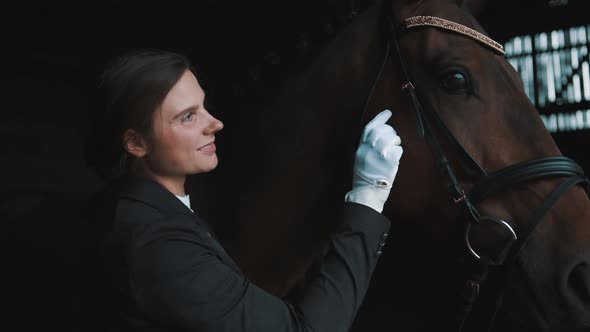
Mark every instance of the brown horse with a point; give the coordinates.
(471, 110)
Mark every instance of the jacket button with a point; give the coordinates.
(379, 252)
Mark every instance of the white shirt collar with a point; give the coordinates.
(185, 200)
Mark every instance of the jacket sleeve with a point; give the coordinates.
(179, 281)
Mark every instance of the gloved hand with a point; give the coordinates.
(376, 163)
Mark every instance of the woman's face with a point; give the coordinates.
(184, 132)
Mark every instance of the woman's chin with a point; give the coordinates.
(208, 166)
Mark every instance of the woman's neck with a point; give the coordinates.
(174, 184)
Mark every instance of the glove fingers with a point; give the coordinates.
(379, 119)
(392, 141)
(395, 153)
(379, 134)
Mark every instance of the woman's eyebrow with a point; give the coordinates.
(186, 110)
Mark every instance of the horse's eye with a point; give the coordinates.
(454, 82)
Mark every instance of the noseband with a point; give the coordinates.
(488, 184)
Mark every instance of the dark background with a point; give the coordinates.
(51, 54)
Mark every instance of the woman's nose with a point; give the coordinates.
(214, 126)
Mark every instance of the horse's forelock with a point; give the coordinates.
(404, 9)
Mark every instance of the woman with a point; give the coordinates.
(160, 268)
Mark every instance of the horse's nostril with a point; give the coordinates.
(579, 283)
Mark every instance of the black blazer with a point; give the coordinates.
(160, 269)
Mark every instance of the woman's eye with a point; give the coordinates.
(454, 82)
(188, 117)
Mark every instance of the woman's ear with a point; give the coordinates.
(134, 143)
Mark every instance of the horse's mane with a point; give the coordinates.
(276, 47)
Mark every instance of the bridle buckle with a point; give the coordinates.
(407, 86)
(471, 291)
(460, 199)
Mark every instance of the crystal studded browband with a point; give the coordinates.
(417, 21)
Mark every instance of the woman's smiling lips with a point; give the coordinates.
(209, 148)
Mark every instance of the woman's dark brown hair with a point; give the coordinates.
(130, 90)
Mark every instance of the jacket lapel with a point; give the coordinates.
(155, 195)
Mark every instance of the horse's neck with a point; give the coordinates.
(322, 105)
(311, 130)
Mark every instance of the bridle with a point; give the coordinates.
(488, 184)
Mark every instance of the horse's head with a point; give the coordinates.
(462, 77)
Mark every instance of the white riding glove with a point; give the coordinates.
(376, 163)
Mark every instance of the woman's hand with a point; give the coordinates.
(376, 163)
